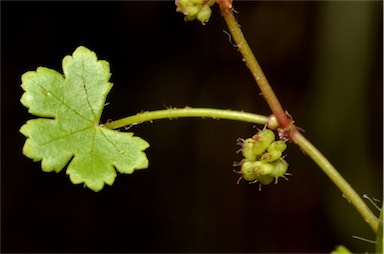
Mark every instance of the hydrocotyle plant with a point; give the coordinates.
(69, 107)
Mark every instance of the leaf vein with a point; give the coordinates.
(65, 136)
(83, 78)
(63, 102)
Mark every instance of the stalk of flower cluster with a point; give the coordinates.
(284, 120)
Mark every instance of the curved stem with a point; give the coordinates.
(348, 192)
(188, 112)
(296, 137)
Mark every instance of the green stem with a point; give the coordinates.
(296, 137)
(348, 192)
(188, 112)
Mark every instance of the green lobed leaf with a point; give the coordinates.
(71, 107)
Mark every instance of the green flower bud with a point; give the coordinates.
(280, 168)
(264, 179)
(192, 9)
(247, 149)
(204, 14)
(262, 168)
(247, 171)
(257, 172)
(263, 160)
(271, 156)
(262, 140)
(189, 18)
(277, 146)
(199, 2)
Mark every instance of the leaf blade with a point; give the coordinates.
(69, 131)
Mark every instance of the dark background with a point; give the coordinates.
(324, 60)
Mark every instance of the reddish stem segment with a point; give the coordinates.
(283, 119)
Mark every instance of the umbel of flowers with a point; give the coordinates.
(263, 161)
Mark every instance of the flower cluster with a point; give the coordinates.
(195, 9)
(263, 161)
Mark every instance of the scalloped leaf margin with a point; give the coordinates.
(69, 108)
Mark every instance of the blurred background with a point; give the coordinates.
(324, 60)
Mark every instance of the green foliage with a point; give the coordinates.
(70, 108)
